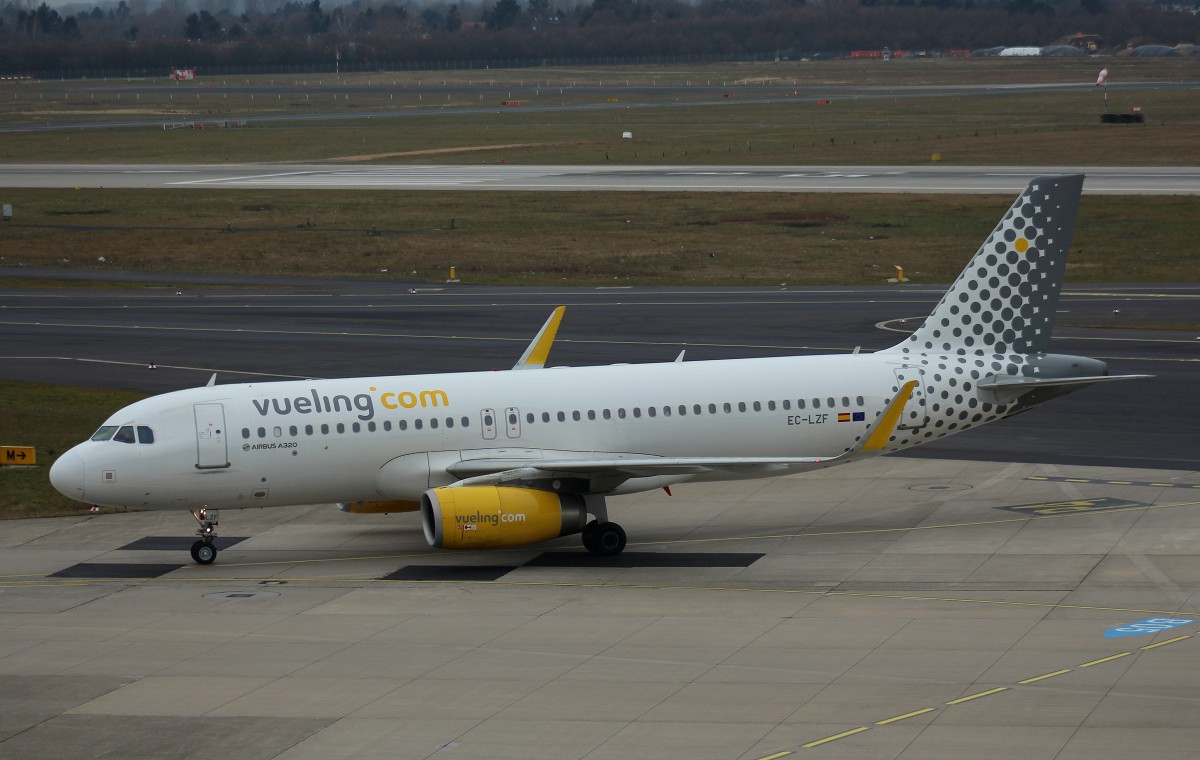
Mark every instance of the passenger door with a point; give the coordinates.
(211, 450)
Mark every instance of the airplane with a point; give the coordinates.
(513, 458)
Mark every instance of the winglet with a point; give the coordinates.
(887, 422)
(535, 356)
(212, 380)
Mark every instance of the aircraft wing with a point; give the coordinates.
(608, 470)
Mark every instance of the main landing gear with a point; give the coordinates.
(606, 539)
(204, 551)
(601, 537)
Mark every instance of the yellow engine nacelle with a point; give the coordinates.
(379, 507)
(487, 517)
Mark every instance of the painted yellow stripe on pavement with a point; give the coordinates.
(776, 756)
(1105, 659)
(1164, 643)
(912, 714)
(1044, 676)
(987, 693)
(835, 737)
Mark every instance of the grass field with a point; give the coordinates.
(1047, 128)
(576, 238)
(52, 419)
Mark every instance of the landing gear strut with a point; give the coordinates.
(204, 551)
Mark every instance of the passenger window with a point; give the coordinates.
(667, 411)
(341, 427)
(575, 416)
(124, 435)
(370, 427)
(800, 403)
(728, 408)
(545, 416)
(621, 412)
(607, 414)
(741, 406)
(712, 408)
(637, 411)
(278, 431)
(105, 433)
(402, 424)
(787, 404)
(757, 406)
(356, 427)
(487, 420)
(262, 432)
(816, 403)
(387, 426)
(591, 414)
(530, 418)
(450, 421)
(324, 429)
(433, 423)
(294, 432)
(308, 429)
(859, 401)
(832, 403)
(845, 401)
(651, 411)
(696, 409)
(770, 406)
(145, 434)
(465, 422)
(245, 434)
(562, 417)
(417, 424)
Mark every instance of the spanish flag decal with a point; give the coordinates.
(852, 416)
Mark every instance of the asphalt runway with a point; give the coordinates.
(282, 328)
(687, 94)
(824, 179)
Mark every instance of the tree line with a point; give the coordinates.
(373, 33)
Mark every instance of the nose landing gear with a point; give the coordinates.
(204, 551)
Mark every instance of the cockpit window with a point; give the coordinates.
(104, 433)
(145, 434)
(124, 435)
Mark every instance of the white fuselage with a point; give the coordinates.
(304, 442)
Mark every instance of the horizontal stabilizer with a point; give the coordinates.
(1017, 382)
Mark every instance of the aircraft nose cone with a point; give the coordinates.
(66, 475)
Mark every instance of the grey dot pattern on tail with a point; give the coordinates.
(996, 316)
(1004, 301)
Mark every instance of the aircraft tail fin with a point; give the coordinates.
(1005, 299)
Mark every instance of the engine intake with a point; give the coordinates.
(488, 517)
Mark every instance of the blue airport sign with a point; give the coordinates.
(1147, 627)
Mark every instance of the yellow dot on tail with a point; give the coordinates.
(1022, 245)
